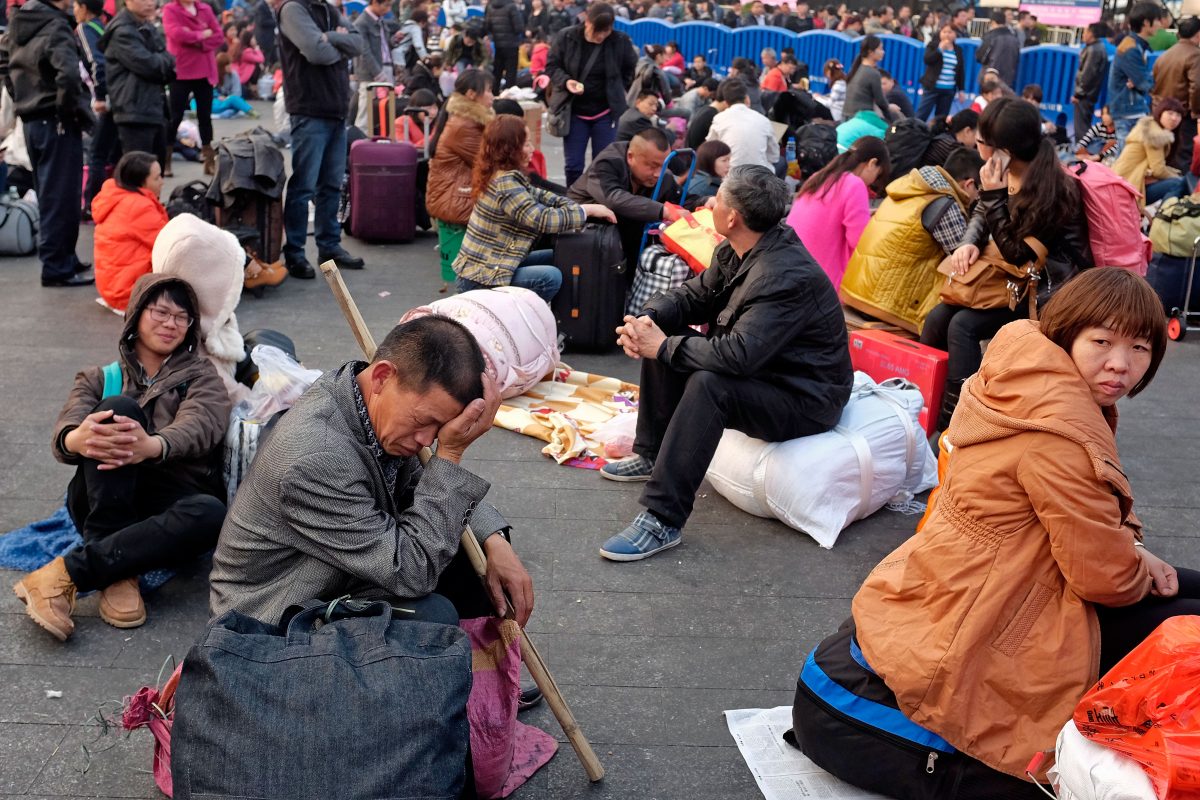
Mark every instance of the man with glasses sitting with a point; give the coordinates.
(144, 434)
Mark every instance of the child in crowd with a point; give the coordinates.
(833, 206)
(990, 88)
(249, 65)
(128, 218)
(1099, 143)
(835, 79)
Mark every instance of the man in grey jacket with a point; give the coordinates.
(336, 501)
(374, 65)
(316, 43)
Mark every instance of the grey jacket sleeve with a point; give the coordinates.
(329, 505)
(316, 47)
(350, 43)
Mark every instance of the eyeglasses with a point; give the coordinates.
(161, 315)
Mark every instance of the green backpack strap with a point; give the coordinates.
(113, 380)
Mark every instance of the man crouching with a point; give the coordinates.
(337, 502)
(773, 364)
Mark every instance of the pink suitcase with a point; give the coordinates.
(383, 190)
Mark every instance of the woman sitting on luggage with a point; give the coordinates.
(510, 214)
(145, 435)
(455, 147)
(712, 165)
(1024, 192)
(833, 206)
(977, 638)
(1149, 152)
(128, 218)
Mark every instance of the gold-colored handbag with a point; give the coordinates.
(992, 282)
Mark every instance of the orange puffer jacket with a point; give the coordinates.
(127, 224)
(983, 624)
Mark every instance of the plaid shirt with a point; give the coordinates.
(507, 218)
(951, 226)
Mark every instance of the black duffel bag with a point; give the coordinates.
(340, 701)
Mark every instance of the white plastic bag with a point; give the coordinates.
(876, 455)
(280, 383)
(617, 435)
(1087, 770)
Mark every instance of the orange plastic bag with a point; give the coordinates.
(693, 238)
(1148, 707)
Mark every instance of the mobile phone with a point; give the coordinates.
(1004, 158)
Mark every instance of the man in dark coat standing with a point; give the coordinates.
(774, 363)
(503, 21)
(1000, 50)
(139, 69)
(49, 98)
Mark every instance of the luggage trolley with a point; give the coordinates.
(1178, 320)
(662, 176)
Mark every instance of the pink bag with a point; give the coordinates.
(504, 752)
(1114, 218)
(155, 708)
(514, 328)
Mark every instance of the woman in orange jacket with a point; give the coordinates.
(128, 218)
(979, 636)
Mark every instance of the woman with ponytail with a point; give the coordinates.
(1024, 192)
(864, 87)
(833, 206)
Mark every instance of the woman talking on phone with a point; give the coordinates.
(1024, 192)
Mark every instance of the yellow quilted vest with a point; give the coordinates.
(892, 274)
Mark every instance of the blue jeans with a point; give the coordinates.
(942, 99)
(318, 167)
(601, 132)
(56, 154)
(1167, 187)
(536, 273)
(1124, 125)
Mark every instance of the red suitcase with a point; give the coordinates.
(884, 355)
(383, 190)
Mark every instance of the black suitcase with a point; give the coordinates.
(591, 303)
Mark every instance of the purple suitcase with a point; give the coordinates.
(383, 190)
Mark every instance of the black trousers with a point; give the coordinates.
(105, 151)
(181, 92)
(1122, 629)
(681, 418)
(506, 68)
(1186, 136)
(56, 155)
(960, 331)
(136, 518)
(150, 139)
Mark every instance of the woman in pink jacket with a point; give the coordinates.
(193, 36)
(833, 206)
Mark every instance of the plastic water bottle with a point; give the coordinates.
(791, 150)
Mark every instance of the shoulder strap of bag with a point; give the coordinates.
(113, 380)
(1031, 285)
(587, 67)
(1039, 250)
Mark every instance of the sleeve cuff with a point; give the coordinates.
(486, 521)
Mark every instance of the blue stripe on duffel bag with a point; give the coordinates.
(868, 712)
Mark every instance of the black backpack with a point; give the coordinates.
(816, 146)
(190, 199)
(907, 140)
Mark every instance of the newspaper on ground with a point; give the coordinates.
(782, 771)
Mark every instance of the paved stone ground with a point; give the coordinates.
(647, 654)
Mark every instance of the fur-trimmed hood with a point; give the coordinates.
(213, 263)
(459, 105)
(1151, 134)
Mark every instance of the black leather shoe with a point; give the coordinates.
(81, 267)
(531, 695)
(79, 279)
(301, 269)
(343, 260)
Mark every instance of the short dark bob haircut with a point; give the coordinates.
(1113, 298)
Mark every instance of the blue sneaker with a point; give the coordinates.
(644, 537)
(634, 468)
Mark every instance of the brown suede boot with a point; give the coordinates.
(210, 159)
(49, 598)
(121, 604)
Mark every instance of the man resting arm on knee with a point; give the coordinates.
(337, 502)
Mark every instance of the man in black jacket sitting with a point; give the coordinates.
(623, 178)
(774, 364)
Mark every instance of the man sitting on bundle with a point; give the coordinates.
(774, 364)
(337, 502)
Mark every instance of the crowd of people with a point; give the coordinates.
(817, 199)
